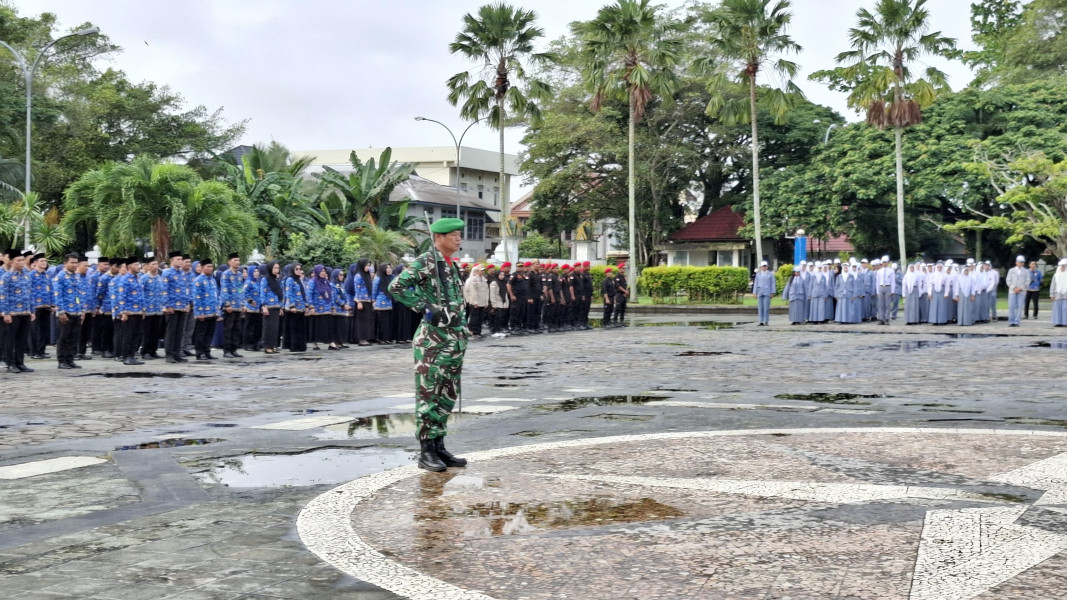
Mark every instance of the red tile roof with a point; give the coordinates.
(836, 243)
(721, 225)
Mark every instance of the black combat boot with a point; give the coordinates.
(428, 456)
(446, 457)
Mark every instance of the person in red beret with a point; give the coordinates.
(585, 298)
(607, 293)
(622, 295)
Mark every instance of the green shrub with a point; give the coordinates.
(697, 284)
(782, 275)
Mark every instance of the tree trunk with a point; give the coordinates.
(900, 193)
(504, 203)
(630, 276)
(755, 169)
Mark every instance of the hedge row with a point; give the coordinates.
(720, 285)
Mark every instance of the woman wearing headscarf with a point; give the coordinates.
(476, 295)
(342, 309)
(217, 337)
(794, 294)
(818, 290)
(295, 309)
(253, 325)
(964, 297)
(855, 289)
(319, 306)
(939, 291)
(1058, 293)
(841, 296)
(911, 289)
(404, 318)
(350, 291)
(383, 305)
(923, 271)
(498, 301)
(362, 284)
(271, 298)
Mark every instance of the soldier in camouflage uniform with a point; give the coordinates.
(432, 287)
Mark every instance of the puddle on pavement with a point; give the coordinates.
(576, 403)
(827, 398)
(1035, 421)
(1057, 344)
(912, 346)
(225, 425)
(536, 433)
(310, 411)
(315, 467)
(618, 417)
(171, 443)
(704, 324)
(931, 405)
(379, 426)
(952, 410)
(1014, 498)
(812, 344)
(142, 375)
(511, 518)
(701, 353)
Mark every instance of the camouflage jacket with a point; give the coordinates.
(414, 287)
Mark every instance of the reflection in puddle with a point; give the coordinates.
(826, 398)
(1057, 344)
(315, 467)
(1035, 421)
(141, 375)
(379, 426)
(171, 443)
(576, 403)
(811, 344)
(618, 417)
(562, 432)
(511, 518)
(701, 353)
(909, 346)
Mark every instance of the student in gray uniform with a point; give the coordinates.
(1018, 281)
(764, 288)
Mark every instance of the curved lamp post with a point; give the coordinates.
(27, 73)
(458, 146)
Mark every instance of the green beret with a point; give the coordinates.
(446, 225)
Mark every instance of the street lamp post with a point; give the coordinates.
(27, 73)
(458, 146)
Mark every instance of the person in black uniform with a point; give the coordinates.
(552, 298)
(518, 292)
(607, 292)
(622, 294)
(587, 296)
(534, 299)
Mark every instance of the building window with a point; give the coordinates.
(448, 213)
(481, 189)
(475, 227)
(496, 195)
(463, 186)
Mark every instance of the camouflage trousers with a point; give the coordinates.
(438, 366)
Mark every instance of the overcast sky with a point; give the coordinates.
(325, 74)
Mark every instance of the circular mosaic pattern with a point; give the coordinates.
(876, 513)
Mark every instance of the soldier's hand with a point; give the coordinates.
(7, 319)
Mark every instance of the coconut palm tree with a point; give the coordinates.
(165, 205)
(499, 40)
(361, 198)
(628, 53)
(885, 44)
(752, 33)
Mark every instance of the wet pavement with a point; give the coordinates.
(679, 444)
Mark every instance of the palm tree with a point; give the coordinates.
(499, 39)
(164, 205)
(382, 245)
(884, 44)
(362, 197)
(627, 53)
(752, 32)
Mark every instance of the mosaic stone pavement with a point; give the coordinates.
(669, 461)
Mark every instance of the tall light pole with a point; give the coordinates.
(458, 146)
(27, 73)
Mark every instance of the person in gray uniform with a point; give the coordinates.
(1018, 281)
(764, 288)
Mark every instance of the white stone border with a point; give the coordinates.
(325, 524)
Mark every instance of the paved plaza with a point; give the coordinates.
(686, 456)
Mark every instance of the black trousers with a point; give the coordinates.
(517, 313)
(608, 308)
(132, 335)
(272, 328)
(620, 308)
(203, 331)
(1031, 296)
(103, 334)
(69, 339)
(17, 340)
(339, 329)
(383, 321)
(42, 330)
(365, 326)
(118, 336)
(474, 319)
(253, 329)
(86, 335)
(175, 329)
(533, 314)
(152, 329)
(296, 332)
(231, 331)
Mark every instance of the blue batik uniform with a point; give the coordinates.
(174, 290)
(267, 297)
(251, 295)
(108, 304)
(16, 293)
(382, 300)
(231, 290)
(361, 293)
(84, 292)
(41, 286)
(100, 292)
(68, 293)
(294, 299)
(129, 295)
(321, 302)
(340, 299)
(205, 297)
(154, 294)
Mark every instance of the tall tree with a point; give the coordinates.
(879, 73)
(500, 39)
(160, 206)
(629, 52)
(361, 198)
(752, 32)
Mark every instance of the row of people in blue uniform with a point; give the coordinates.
(125, 306)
